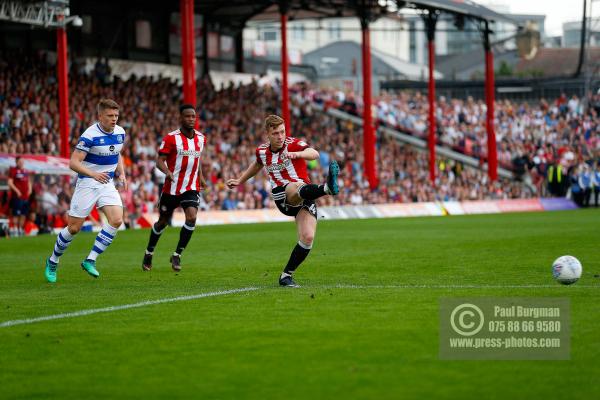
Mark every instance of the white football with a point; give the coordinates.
(566, 270)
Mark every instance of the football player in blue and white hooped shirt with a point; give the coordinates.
(98, 163)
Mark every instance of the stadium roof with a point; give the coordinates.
(343, 52)
(233, 14)
(561, 62)
(465, 7)
(237, 12)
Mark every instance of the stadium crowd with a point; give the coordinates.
(530, 139)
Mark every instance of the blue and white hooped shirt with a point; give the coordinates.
(102, 148)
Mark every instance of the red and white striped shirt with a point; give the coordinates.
(183, 160)
(280, 168)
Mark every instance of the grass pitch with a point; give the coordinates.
(364, 325)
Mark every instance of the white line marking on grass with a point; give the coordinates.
(81, 313)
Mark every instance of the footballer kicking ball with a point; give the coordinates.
(566, 270)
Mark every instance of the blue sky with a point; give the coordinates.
(557, 12)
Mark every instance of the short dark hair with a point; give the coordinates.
(184, 107)
(104, 104)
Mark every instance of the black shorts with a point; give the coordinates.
(286, 209)
(168, 202)
(19, 207)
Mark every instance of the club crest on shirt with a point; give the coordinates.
(120, 139)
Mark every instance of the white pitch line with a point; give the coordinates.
(81, 313)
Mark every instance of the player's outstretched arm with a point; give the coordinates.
(252, 170)
(308, 154)
(76, 165)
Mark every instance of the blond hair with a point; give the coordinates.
(104, 104)
(273, 121)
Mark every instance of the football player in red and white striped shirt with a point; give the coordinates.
(285, 158)
(179, 157)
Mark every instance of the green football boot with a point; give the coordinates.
(89, 266)
(50, 271)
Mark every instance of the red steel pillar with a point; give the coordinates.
(285, 100)
(492, 152)
(63, 88)
(430, 22)
(368, 132)
(431, 97)
(188, 51)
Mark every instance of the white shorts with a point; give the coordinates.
(85, 198)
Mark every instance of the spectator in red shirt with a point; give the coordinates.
(30, 227)
(19, 183)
